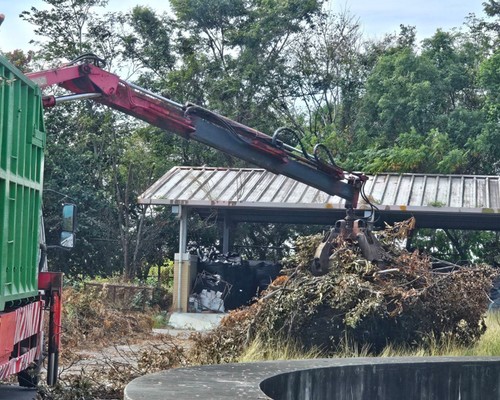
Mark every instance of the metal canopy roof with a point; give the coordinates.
(437, 201)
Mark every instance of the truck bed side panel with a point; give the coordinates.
(22, 140)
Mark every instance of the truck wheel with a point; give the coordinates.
(30, 376)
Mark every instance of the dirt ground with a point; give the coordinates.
(102, 372)
(89, 359)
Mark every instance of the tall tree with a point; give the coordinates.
(399, 96)
(486, 146)
(427, 103)
(97, 146)
(327, 75)
(230, 56)
(243, 46)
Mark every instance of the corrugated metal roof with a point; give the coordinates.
(206, 186)
(245, 188)
(455, 192)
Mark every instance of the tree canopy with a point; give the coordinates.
(392, 105)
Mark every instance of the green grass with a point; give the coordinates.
(432, 348)
(278, 350)
(488, 345)
(160, 320)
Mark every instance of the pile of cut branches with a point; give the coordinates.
(404, 303)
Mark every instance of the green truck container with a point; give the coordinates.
(22, 142)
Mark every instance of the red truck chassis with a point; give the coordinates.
(22, 329)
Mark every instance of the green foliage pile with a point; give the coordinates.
(403, 304)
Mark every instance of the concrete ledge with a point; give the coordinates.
(195, 321)
(409, 378)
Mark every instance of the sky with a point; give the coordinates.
(384, 16)
(376, 17)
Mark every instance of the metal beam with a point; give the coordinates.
(472, 221)
(228, 143)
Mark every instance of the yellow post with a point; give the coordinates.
(184, 276)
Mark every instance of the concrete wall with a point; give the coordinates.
(411, 381)
(398, 378)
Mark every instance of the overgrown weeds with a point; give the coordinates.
(88, 322)
(489, 344)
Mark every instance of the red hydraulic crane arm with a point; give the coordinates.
(87, 80)
(115, 93)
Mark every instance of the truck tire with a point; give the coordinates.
(30, 377)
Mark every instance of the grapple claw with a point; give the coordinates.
(356, 231)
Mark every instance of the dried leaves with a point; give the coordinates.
(88, 322)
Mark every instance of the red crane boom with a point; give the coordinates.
(88, 80)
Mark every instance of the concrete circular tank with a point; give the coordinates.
(407, 378)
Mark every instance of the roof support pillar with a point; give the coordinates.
(182, 215)
(226, 232)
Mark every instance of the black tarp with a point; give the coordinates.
(246, 279)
